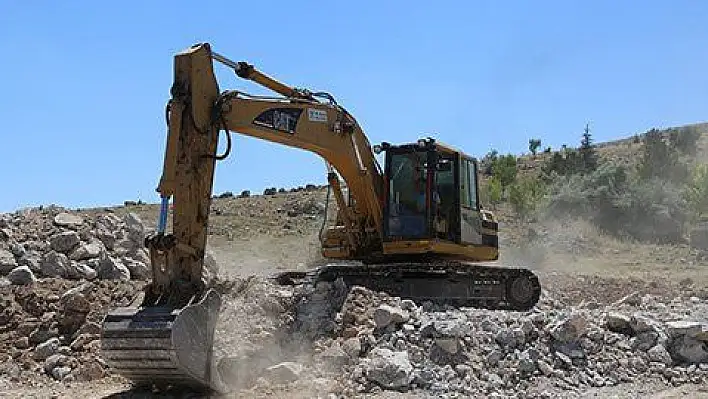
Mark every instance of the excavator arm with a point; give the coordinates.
(167, 340)
(197, 112)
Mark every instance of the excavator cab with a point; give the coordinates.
(432, 203)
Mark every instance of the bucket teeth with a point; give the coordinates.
(163, 346)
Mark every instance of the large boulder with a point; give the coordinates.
(64, 242)
(389, 369)
(87, 251)
(21, 275)
(55, 264)
(110, 268)
(69, 220)
(7, 261)
(689, 341)
(134, 227)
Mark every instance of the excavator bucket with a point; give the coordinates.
(162, 346)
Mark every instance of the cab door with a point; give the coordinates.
(470, 221)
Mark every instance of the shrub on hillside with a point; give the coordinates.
(659, 159)
(696, 193)
(488, 161)
(227, 194)
(565, 163)
(644, 209)
(495, 191)
(570, 161)
(504, 168)
(685, 139)
(525, 195)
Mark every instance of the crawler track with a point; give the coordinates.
(453, 283)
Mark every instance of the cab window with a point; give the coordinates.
(468, 186)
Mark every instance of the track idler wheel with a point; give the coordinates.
(523, 291)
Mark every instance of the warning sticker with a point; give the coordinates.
(316, 115)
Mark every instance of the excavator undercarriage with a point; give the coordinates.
(413, 229)
(441, 283)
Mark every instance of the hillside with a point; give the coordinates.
(624, 151)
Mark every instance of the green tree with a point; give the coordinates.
(567, 162)
(685, 139)
(696, 192)
(534, 145)
(488, 162)
(504, 168)
(588, 154)
(525, 196)
(659, 159)
(495, 191)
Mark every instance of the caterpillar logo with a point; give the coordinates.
(282, 119)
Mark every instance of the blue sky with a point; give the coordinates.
(84, 84)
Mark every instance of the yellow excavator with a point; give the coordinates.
(414, 228)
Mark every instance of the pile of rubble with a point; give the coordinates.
(378, 343)
(51, 242)
(50, 330)
(388, 343)
(60, 272)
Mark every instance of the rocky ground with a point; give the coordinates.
(615, 320)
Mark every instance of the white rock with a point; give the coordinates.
(61, 372)
(46, 349)
(135, 227)
(545, 368)
(112, 269)
(352, 347)
(389, 369)
(79, 270)
(65, 219)
(283, 373)
(87, 251)
(659, 354)
(335, 355)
